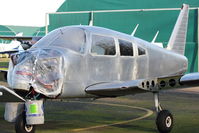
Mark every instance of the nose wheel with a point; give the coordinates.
(22, 127)
(164, 120)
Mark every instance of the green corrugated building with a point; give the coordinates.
(149, 21)
(13, 30)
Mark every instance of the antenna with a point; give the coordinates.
(157, 43)
(133, 33)
(154, 39)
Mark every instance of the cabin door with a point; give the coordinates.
(102, 59)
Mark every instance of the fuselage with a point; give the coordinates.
(93, 55)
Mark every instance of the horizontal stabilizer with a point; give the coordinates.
(190, 80)
(177, 40)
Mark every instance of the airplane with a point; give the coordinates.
(18, 43)
(13, 46)
(94, 62)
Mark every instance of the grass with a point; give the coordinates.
(63, 117)
(4, 63)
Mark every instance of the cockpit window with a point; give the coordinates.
(70, 38)
(141, 51)
(102, 45)
(126, 48)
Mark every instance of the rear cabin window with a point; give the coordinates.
(141, 51)
(102, 45)
(126, 48)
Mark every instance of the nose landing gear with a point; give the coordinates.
(22, 127)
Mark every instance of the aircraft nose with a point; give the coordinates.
(40, 69)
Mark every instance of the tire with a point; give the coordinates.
(164, 121)
(21, 127)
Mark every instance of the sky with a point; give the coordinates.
(27, 12)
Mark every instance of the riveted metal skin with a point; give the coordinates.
(79, 68)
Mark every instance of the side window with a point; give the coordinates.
(102, 45)
(141, 51)
(126, 48)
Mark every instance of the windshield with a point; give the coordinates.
(72, 38)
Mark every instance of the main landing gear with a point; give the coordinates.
(164, 120)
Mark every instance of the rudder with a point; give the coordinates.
(177, 40)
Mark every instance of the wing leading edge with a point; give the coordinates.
(8, 95)
(20, 38)
(114, 89)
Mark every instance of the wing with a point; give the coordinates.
(114, 89)
(26, 41)
(8, 95)
(9, 52)
(20, 38)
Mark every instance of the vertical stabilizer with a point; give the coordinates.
(177, 40)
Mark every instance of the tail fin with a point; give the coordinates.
(177, 40)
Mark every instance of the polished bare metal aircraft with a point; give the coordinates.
(94, 62)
